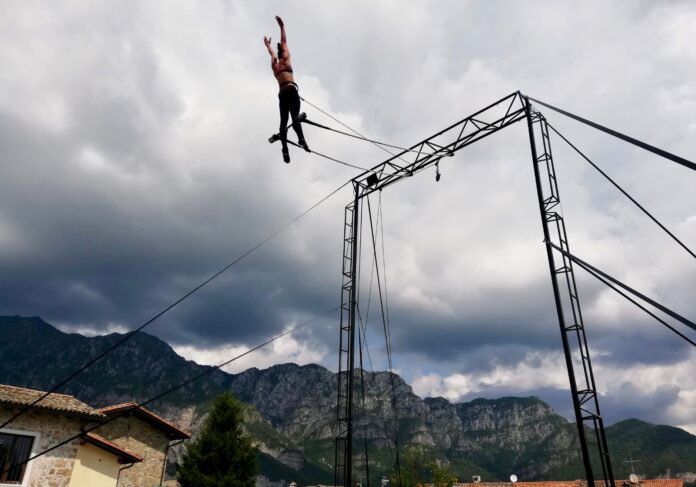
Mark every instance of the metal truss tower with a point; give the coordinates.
(575, 348)
(503, 113)
(343, 463)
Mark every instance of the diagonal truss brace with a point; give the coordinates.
(445, 143)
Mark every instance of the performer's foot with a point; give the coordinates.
(303, 144)
(286, 155)
(273, 138)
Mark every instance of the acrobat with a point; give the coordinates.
(288, 93)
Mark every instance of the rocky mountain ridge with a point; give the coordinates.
(291, 411)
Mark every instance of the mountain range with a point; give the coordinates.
(291, 410)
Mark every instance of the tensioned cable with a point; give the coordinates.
(652, 302)
(362, 386)
(386, 339)
(380, 411)
(384, 264)
(630, 299)
(631, 140)
(130, 335)
(379, 285)
(386, 306)
(369, 294)
(345, 125)
(352, 129)
(674, 237)
(382, 294)
(175, 388)
(364, 138)
(363, 325)
(360, 137)
(331, 158)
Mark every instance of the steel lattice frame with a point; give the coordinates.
(582, 382)
(503, 113)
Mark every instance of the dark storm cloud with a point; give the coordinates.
(117, 242)
(629, 400)
(134, 165)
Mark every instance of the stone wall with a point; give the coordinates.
(136, 435)
(55, 468)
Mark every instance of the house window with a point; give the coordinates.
(14, 450)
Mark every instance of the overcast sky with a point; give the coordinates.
(135, 163)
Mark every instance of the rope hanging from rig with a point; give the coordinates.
(364, 322)
(387, 340)
(364, 407)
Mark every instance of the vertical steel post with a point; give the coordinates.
(351, 355)
(559, 306)
(343, 465)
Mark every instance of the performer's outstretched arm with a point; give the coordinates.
(267, 42)
(283, 37)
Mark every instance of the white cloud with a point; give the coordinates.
(283, 350)
(658, 393)
(90, 330)
(534, 372)
(135, 163)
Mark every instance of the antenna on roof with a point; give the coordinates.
(631, 461)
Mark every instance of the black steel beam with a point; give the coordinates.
(577, 354)
(444, 143)
(558, 302)
(619, 135)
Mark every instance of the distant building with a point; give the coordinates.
(142, 431)
(578, 483)
(128, 451)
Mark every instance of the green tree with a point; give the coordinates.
(441, 473)
(419, 468)
(413, 471)
(222, 455)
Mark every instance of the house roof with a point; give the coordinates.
(19, 396)
(653, 483)
(145, 414)
(581, 483)
(125, 456)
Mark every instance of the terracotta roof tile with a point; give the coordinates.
(580, 483)
(653, 483)
(19, 396)
(105, 444)
(148, 416)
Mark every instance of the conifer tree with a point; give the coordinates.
(222, 455)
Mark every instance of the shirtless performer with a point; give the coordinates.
(288, 94)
